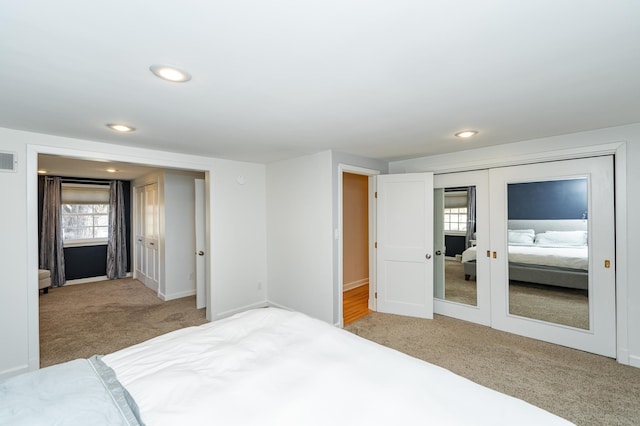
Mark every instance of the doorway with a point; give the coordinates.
(77, 157)
(356, 211)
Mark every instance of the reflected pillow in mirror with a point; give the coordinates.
(562, 238)
(521, 237)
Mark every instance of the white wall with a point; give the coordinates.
(236, 233)
(239, 237)
(627, 204)
(300, 234)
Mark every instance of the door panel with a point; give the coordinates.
(460, 294)
(405, 244)
(146, 236)
(596, 333)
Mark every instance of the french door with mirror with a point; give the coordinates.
(461, 225)
(535, 252)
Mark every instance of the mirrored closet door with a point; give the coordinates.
(552, 252)
(461, 231)
(530, 250)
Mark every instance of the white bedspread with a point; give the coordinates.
(274, 367)
(562, 257)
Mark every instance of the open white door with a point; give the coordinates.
(405, 244)
(201, 296)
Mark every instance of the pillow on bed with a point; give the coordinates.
(521, 237)
(562, 238)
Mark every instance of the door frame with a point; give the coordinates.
(109, 153)
(347, 168)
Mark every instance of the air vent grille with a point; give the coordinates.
(7, 162)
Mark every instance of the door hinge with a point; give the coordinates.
(375, 194)
(375, 294)
(375, 245)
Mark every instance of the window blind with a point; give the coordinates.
(74, 193)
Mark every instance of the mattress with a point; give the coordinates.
(275, 367)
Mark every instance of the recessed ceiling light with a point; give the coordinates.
(112, 170)
(467, 133)
(168, 73)
(120, 127)
(42, 172)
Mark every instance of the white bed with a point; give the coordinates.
(274, 367)
(262, 367)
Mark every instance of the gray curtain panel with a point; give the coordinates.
(117, 245)
(51, 244)
(471, 215)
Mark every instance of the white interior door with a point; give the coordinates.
(405, 244)
(598, 334)
(201, 296)
(455, 291)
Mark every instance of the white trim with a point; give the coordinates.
(86, 280)
(346, 168)
(179, 295)
(91, 279)
(621, 261)
(355, 284)
(5, 374)
(445, 163)
(257, 305)
(634, 361)
(86, 243)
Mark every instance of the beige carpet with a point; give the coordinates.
(79, 321)
(584, 388)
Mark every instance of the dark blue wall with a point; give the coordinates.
(560, 199)
(454, 244)
(90, 261)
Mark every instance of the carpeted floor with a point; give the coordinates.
(79, 321)
(584, 388)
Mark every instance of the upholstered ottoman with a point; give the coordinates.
(44, 280)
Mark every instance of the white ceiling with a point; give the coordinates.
(279, 78)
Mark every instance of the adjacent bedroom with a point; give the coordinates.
(99, 251)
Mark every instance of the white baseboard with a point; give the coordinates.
(180, 295)
(355, 284)
(90, 279)
(225, 314)
(10, 372)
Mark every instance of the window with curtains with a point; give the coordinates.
(455, 212)
(85, 214)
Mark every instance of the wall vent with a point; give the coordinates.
(8, 162)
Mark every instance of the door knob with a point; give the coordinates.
(200, 253)
(428, 256)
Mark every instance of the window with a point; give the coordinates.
(85, 214)
(455, 219)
